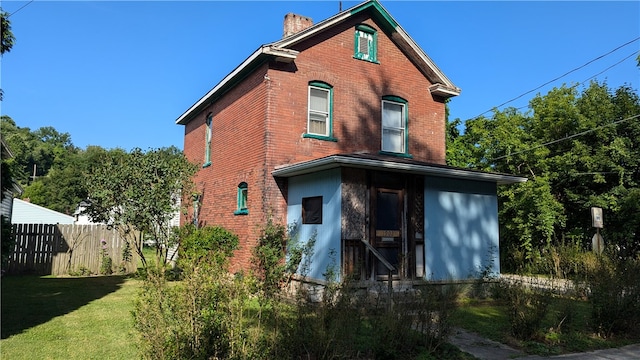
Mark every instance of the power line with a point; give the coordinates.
(560, 77)
(22, 7)
(593, 76)
(568, 137)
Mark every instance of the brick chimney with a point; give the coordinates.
(295, 23)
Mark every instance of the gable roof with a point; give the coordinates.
(281, 51)
(393, 164)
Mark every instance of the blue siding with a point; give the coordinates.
(327, 185)
(461, 228)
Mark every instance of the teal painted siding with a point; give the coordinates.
(327, 185)
(461, 228)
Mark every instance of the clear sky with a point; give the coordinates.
(118, 74)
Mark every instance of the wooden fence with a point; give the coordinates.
(46, 249)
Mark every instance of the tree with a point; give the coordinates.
(47, 165)
(7, 36)
(578, 149)
(140, 192)
(37, 151)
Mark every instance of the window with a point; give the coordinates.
(319, 117)
(366, 43)
(208, 134)
(394, 125)
(242, 199)
(312, 210)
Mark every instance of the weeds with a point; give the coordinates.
(209, 314)
(614, 295)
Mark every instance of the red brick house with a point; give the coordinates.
(339, 128)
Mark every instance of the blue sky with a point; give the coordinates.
(118, 74)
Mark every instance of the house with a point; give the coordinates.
(25, 212)
(9, 189)
(338, 130)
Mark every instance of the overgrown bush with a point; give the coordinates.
(189, 319)
(565, 261)
(526, 306)
(210, 314)
(614, 296)
(418, 321)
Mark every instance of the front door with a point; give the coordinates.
(388, 233)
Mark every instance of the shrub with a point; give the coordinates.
(614, 296)
(189, 319)
(526, 306)
(106, 264)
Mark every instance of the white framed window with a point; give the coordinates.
(394, 125)
(319, 111)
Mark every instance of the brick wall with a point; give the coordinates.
(358, 87)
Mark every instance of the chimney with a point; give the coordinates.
(295, 23)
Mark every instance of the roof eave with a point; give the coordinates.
(279, 54)
(336, 161)
(444, 91)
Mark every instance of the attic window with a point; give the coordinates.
(366, 43)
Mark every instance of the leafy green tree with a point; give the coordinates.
(140, 192)
(7, 36)
(37, 151)
(579, 149)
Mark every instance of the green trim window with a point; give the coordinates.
(319, 111)
(394, 125)
(207, 140)
(366, 43)
(242, 199)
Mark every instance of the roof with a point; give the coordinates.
(281, 50)
(28, 213)
(392, 163)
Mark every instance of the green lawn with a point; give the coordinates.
(67, 317)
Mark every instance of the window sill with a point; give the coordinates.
(369, 61)
(320, 137)
(241, 212)
(207, 164)
(402, 155)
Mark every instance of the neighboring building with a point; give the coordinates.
(11, 189)
(27, 213)
(81, 218)
(339, 130)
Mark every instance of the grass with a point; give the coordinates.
(565, 328)
(68, 317)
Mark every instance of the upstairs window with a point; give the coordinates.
(319, 114)
(366, 43)
(207, 140)
(394, 125)
(242, 199)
